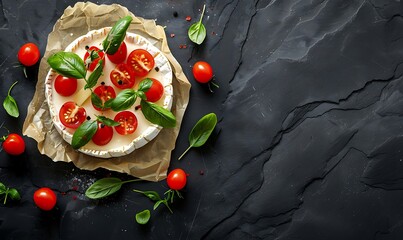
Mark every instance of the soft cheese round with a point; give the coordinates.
(120, 144)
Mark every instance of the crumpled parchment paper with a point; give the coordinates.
(150, 162)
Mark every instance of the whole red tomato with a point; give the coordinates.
(13, 144)
(29, 54)
(177, 179)
(202, 72)
(45, 198)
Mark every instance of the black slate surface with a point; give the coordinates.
(309, 140)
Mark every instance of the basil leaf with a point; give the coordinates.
(103, 188)
(124, 100)
(107, 121)
(68, 64)
(108, 103)
(116, 35)
(157, 114)
(95, 75)
(158, 203)
(142, 95)
(84, 133)
(150, 194)
(96, 101)
(201, 131)
(2, 188)
(197, 31)
(10, 105)
(14, 194)
(143, 217)
(145, 85)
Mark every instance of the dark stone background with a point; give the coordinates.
(309, 139)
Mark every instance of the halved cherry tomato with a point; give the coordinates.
(71, 115)
(142, 62)
(105, 93)
(45, 198)
(94, 63)
(29, 54)
(123, 76)
(177, 179)
(202, 72)
(120, 55)
(103, 135)
(13, 144)
(128, 122)
(155, 92)
(65, 86)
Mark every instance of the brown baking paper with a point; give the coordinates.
(149, 162)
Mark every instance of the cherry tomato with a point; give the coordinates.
(155, 92)
(45, 198)
(65, 86)
(105, 93)
(29, 54)
(176, 179)
(94, 63)
(13, 144)
(128, 122)
(103, 135)
(120, 55)
(71, 115)
(202, 72)
(142, 62)
(123, 76)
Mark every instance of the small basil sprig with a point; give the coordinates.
(152, 112)
(10, 105)
(106, 187)
(116, 35)
(197, 31)
(12, 192)
(201, 132)
(95, 75)
(87, 130)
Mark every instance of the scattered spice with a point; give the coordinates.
(157, 69)
(201, 172)
(175, 14)
(183, 46)
(137, 107)
(188, 18)
(172, 35)
(88, 118)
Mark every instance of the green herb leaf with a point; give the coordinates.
(142, 95)
(116, 35)
(157, 114)
(150, 194)
(124, 100)
(68, 64)
(103, 188)
(84, 133)
(95, 75)
(201, 131)
(145, 85)
(10, 105)
(96, 101)
(107, 121)
(143, 217)
(108, 103)
(158, 203)
(2, 188)
(197, 31)
(14, 194)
